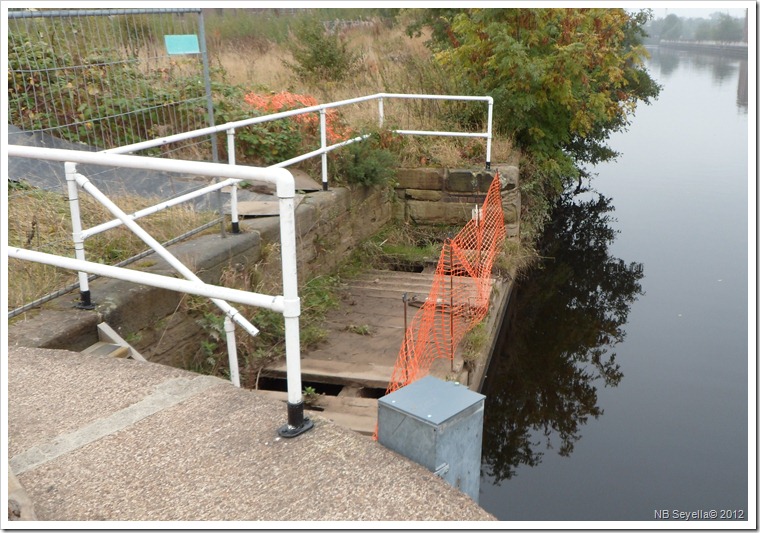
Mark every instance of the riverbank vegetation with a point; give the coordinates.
(562, 80)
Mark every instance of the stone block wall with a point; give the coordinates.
(448, 196)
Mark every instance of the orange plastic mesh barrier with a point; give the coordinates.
(459, 295)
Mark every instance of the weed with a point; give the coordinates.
(364, 329)
(134, 337)
(473, 344)
(310, 396)
(367, 163)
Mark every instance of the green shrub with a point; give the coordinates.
(367, 163)
(321, 56)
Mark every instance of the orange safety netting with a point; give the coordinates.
(459, 296)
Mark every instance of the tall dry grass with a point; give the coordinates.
(40, 220)
(392, 62)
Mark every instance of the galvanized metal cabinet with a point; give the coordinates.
(438, 424)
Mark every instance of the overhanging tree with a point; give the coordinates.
(563, 80)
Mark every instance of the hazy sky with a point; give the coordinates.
(662, 12)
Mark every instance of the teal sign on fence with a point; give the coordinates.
(182, 44)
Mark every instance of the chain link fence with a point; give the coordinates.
(96, 79)
(109, 77)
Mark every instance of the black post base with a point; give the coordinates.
(84, 301)
(297, 424)
(236, 227)
(287, 431)
(488, 165)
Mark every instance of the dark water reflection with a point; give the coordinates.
(618, 394)
(545, 387)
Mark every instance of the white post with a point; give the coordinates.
(233, 190)
(70, 169)
(323, 139)
(229, 328)
(380, 111)
(297, 423)
(490, 131)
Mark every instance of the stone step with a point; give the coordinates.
(337, 372)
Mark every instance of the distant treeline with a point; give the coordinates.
(718, 27)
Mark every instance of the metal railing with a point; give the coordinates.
(288, 303)
(230, 127)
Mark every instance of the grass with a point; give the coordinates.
(40, 220)
(401, 243)
(318, 295)
(391, 62)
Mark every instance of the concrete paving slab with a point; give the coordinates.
(206, 451)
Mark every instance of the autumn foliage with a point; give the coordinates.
(562, 79)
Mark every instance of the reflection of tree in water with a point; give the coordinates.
(722, 67)
(562, 323)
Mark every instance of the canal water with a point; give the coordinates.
(619, 391)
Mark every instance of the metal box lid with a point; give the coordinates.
(431, 399)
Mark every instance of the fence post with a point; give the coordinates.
(380, 112)
(323, 141)
(207, 83)
(70, 169)
(490, 133)
(210, 111)
(233, 191)
(451, 301)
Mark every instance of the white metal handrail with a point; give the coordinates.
(230, 127)
(285, 192)
(288, 303)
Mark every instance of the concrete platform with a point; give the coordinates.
(122, 440)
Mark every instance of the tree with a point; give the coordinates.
(672, 28)
(727, 28)
(562, 80)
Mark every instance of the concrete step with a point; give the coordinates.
(337, 372)
(357, 414)
(106, 349)
(107, 334)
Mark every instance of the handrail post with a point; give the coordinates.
(323, 145)
(229, 328)
(380, 112)
(70, 169)
(490, 133)
(297, 423)
(233, 189)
